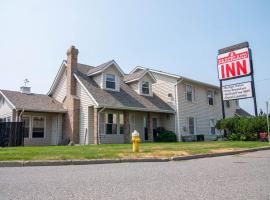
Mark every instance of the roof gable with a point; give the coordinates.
(100, 68)
(139, 74)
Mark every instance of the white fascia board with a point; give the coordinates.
(10, 103)
(108, 65)
(90, 95)
(57, 78)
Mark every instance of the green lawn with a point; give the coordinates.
(114, 151)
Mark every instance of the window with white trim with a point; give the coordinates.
(145, 87)
(210, 97)
(212, 123)
(110, 81)
(26, 121)
(191, 125)
(38, 127)
(189, 93)
(121, 123)
(111, 123)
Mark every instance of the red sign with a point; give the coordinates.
(234, 64)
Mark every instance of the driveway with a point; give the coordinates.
(244, 176)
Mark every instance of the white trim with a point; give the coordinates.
(86, 90)
(177, 76)
(32, 125)
(136, 109)
(105, 67)
(57, 78)
(177, 110)
(11, 104)
(137, 79)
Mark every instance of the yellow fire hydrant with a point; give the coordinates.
(135, 141)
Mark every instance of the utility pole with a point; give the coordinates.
(267, 115)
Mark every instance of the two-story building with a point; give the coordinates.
(102, 104)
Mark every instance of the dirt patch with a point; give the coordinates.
(223, 150)
(156, 154)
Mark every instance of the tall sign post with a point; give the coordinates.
(267, 115)
(235, 62)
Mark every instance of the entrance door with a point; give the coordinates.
(154, 122)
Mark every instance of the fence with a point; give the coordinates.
(11, 134)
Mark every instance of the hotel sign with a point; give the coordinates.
(237, 91)
(234, 64)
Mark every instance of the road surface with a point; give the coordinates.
(245, 176)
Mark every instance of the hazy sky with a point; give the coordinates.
(180, 37)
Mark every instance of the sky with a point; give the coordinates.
(176, 36)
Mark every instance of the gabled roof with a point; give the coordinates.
(32, 102)
(177, 77)
(242, 113)
(100, 68)
(137, 75)
(126, 98)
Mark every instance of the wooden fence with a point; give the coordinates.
(11, 134)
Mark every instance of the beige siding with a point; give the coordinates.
(112, 70)
(134, 86)
(5, 108)
(164, 86)
(98, 79)
(148, 79)
(48, 130)
(85, 115)
(61, 89)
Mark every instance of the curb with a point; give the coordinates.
(111, 161)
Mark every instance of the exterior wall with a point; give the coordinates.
(86, 116)
(5, 108)
(148, 79)
(50, 129)
(134, 86)
(199, 109)
(111, 70)
(98, 79)
(164, 86)
(60, 91)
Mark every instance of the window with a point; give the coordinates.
(191, 125)
(26, 121)
(8, 119)
(110, 81)
(210, 97)
(121, 123)
(212, 126)
(189, 92)
(38, 127)
(111, 123)
(228, 104)
(145, 87)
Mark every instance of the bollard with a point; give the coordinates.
(135, 141)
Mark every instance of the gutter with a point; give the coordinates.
(98, 133)
(177, 120)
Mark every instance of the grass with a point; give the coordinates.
(115, 151)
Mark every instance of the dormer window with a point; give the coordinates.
(145, 87)
(110, 81)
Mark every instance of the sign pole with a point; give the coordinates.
(267, 116)
(253, 85)
(222, 102)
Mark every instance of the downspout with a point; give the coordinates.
(20, 116)
(177, 120)
(98, 133)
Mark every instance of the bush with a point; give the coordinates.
(164, 135)
(243, 128)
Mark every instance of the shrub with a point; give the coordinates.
(164, 135)
(243, 128)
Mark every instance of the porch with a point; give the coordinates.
(114, 126)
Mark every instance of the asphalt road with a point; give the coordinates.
(244, 176)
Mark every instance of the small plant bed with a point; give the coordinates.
(117, 151)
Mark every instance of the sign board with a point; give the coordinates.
(237, 91)
(234, 64)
